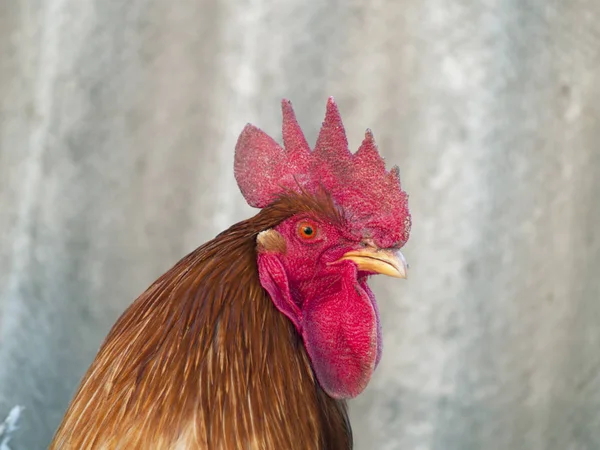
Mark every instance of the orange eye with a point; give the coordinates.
(307, 230)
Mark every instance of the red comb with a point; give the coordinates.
(359, 182)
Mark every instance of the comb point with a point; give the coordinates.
(367, 154)
(294, 141)
(332, 142)
(257, 161)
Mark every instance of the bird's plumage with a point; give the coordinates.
(204, 360)
(255, 339)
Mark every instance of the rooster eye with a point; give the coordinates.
(307, 230)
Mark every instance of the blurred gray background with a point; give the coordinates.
(118, 122)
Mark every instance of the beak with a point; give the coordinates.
(386, 262)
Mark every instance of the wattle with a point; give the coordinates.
(342, 335)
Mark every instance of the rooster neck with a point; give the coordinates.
(204, 360)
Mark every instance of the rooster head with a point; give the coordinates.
(352, 222)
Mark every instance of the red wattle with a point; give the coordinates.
(341, 335)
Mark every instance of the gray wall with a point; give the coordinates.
(117, 127)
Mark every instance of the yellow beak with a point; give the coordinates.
(386, 262)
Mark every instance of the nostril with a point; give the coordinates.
(368, 243)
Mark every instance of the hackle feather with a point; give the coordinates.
(203, 360)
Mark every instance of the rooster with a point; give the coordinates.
(256, 339)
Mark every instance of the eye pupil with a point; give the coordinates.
(308, 231)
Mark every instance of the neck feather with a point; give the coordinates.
(203, 359)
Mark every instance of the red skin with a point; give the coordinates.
(329, 302)
(358, 182)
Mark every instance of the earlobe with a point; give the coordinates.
(270, 241)
(274, 280)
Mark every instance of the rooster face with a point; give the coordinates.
(315, 268)
(348, 218)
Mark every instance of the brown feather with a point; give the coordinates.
(203, 360)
